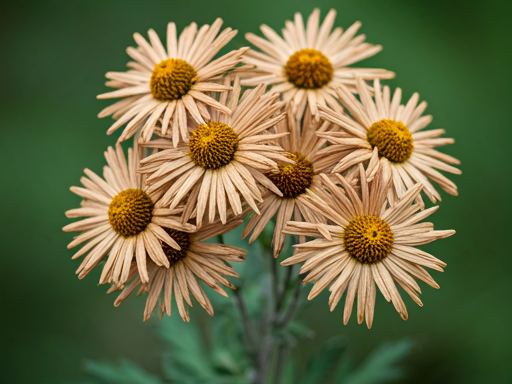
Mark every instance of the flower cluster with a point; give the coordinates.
(289, 132)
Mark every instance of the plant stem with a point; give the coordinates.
(282, 353)
(282, 293)
(220, 239)
(293, 305)
(263, 359)
(271, 326)
(275, 283)
(250, 332)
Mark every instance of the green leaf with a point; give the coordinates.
(289, 373)
(300, 330)
(188, 352)
(380, 366)
(229, 350)
(124, 373)
(322, 366)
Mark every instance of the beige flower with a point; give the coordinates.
(224, 161)
(195, 260)
(368, 242)
(167, 83)
(294, 180)
(309, 63)
(388, 135)
(124, 220)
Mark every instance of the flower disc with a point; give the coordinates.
(309, 68)
(172, 79)
(183, 240)
(293, 179)
(392, 138)
(130, 212)
(368, 239)
(213, 145)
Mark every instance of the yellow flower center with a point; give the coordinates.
(213, 145)
(130, 212)
(392, 139)
(308, 68)
(183, 240)
(293, 179)
(172, 79)
(368, 239)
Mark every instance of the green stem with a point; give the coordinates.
(263, 359)
(293, 305)
(284, 288)
(250, 331)
(277, 320)
(275, 284)
(282, 353)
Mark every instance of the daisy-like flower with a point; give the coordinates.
(387, 134)
(167, 83)
(309, 63)
(195, 260)
(293, 180)
(124, 220)
(367, 243)
(226, 157)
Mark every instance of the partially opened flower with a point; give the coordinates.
(308, 63)
(293, 180)
(387, 134)
(225, 160)
(196, 260)
(124, 220)
(367, 243)
(166, 83)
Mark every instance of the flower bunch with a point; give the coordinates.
(288, 131)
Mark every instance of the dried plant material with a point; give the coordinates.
(387, 134)
(195, 260)
(124, 220)
(367, 242)
(294, 180)
(307, 64)
(170, 85)
(225, 161)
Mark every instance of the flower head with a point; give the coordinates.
(225, 161)
(168, 84)
(195, 260)
(365, 242)
(307, 64)
(124, 220)
(294, 179)
(387, 134)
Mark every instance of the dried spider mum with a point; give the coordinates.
(123, 220)
(367, 242)
(224, 162)
(167, 83)
(293, 180)
(307, 64)
(195, 261)
(388, 135)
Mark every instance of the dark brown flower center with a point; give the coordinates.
(392, 138)
(130, 212)
(368, 239)
(293, 179)
(309, 68)
(213, 145)
(172, 79)
(183, 240)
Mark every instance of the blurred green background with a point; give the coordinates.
(456, 54)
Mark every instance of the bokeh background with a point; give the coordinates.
(456, 54)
